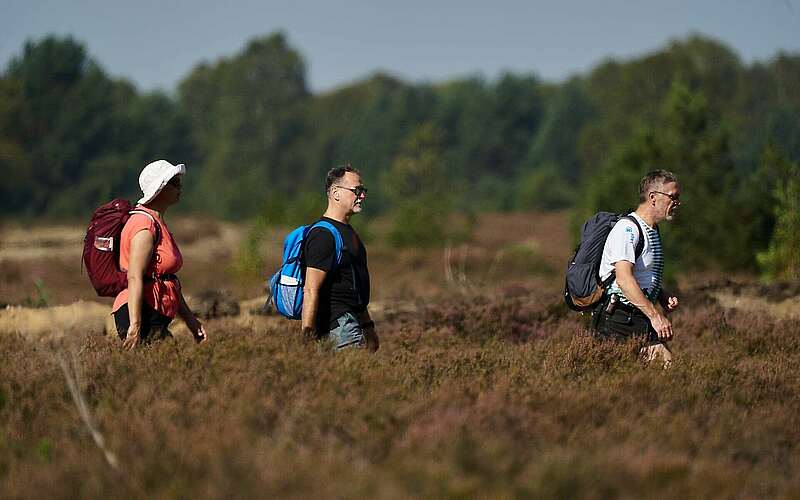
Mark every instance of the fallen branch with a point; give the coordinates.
(71, 375)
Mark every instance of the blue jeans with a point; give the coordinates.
(347, 333)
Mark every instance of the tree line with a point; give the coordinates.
(258, 141)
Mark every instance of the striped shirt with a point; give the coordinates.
(648, 269)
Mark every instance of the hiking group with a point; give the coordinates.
(323, 281)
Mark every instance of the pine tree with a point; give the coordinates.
(782, 259)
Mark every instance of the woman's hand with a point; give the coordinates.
(194, 325)
(197, 329)
(133, 338)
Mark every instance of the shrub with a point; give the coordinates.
(782, 259)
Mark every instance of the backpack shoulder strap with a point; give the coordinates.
(155, 223)
(640, 243)
(158, 232)
(637, 251)
(337, 237)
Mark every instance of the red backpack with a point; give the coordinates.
(101, 246)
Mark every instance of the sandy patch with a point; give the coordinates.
(786, 309)
(80, 317)
(41, 242)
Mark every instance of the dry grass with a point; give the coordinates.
(784, 309)
(51, 256)
(506, 248)
(78, 318)
(486, 389)
(456, 404)
(25, 243)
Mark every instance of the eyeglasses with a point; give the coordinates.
(676, 198)
(358, 190)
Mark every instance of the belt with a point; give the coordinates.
(161, 277)
(630, 308)
(621, 306)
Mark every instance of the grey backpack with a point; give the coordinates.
(583, 288)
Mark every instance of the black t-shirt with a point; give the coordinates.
(346, 286)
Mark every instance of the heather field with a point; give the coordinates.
(485, 386)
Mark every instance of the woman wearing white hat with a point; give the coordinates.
(144, 310)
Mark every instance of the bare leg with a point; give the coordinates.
(658, 350)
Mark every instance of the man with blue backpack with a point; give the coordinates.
(632, 264)
(324, 279)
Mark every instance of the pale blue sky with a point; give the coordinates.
(156, 43)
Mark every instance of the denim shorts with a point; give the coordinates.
(347, 333)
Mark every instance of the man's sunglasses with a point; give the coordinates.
(358, 190)
(676, 198)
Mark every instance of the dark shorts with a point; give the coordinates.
(154, 324)
(624, 323)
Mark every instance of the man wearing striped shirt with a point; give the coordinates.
(630, 307)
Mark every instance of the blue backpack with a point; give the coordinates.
(286, 285)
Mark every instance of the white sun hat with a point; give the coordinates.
(155, 176)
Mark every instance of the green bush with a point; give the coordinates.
(782, 259)
(248, 264)
(41, 299)
(543, 188)
(304, 209)
(420, 223)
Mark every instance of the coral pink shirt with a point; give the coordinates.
(162, 295)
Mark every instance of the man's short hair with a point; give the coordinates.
(335, 175)
(653, 182)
